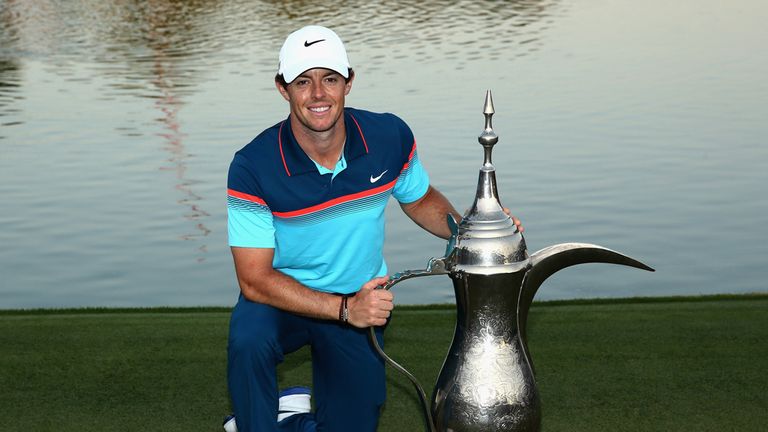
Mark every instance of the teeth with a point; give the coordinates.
(320, 109)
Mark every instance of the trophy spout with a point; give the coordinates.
(550, 260)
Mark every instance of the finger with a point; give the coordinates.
(385, 295)
(383, 314)
(518, 224)
(376, 282)
(379, 322)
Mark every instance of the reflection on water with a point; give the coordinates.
(123, 41)
(118, 37)
(10, 81)
(161, 24)
(10, 74)
(169, 106)
(141, 48)
(118, 120)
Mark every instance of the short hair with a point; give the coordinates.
(281, 80)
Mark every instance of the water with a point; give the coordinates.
(637, 126)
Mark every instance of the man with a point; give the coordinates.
(306, 203)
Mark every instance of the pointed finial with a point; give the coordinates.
(488, 138)
(488, 104)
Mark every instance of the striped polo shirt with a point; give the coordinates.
(326, 226)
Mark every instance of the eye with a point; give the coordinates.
(332, 79)
(301, 82)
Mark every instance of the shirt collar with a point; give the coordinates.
(296, 162)
(340, 166)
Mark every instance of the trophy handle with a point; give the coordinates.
(435, 266)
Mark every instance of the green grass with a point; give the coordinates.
(673, 364)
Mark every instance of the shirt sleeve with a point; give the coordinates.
(249, 219)
(413, 181)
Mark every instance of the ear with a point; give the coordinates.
(283, 91)
(348, 85)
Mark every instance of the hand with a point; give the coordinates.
(515, 220)
(370, 306)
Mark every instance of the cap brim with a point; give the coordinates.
(291, 72)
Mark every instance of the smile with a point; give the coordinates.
(320, 109)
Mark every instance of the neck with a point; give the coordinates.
(323, 147)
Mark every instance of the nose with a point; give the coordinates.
(317, 89)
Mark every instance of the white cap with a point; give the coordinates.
(312, 47)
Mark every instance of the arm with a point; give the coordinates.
(260, 282)
(429, 213)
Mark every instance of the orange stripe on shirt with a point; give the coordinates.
(245, 196)
(335, 201)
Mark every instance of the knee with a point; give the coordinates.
(253, 333)
(254, 346)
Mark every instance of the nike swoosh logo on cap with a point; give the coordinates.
(307, 43)
(375, 179)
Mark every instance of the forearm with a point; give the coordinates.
(283, 292)
(368, 307)
(269, 286)
(430, 212)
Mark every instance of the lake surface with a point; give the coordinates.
(639, 126)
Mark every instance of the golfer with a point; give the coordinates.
(306, 202)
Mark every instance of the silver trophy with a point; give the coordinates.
(487, 381)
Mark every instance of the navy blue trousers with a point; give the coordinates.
(348, 382)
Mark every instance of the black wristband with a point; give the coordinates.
(343, 310)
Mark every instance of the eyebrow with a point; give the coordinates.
(328, 73)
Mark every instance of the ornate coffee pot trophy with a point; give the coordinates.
(487, 381)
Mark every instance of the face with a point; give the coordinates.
(316, 98)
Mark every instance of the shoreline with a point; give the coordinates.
(431, 306)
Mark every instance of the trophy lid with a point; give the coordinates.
(487, 240)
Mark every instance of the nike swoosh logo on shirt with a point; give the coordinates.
(375, 179)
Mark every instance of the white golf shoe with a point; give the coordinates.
(293, 400)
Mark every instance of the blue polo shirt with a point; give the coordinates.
(326, 226)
